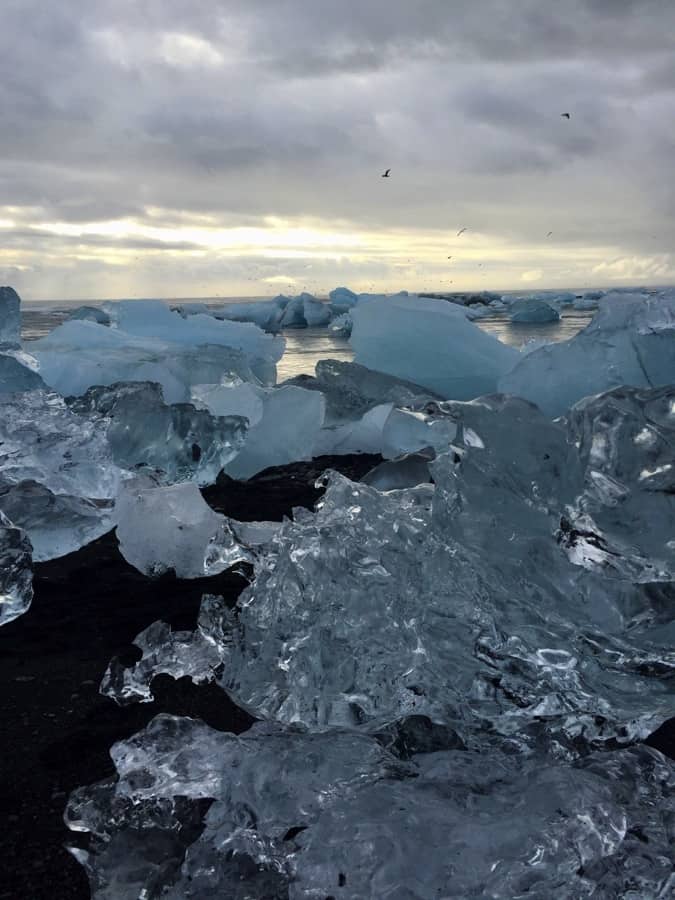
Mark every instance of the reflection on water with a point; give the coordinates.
(306, 346)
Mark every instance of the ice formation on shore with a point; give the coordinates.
(10, 318)
(630, 341)
(16, 571)
(532, 309)
(431, 343)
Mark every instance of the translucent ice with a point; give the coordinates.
(232, 398)
(316, 314)
(16, 571)
(90, 313)
(407, 471)
(351, 390)
(10, 318)
(176, 442)
(152, 343)
(342, 299)
(290, 424)
(172, 528)
(15, 376)
(532, 310)
(631, 341)
(308, 816)
(266, 314)
(429, 342)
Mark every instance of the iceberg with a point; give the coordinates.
(266, 314)
(630, 341)
(316, 313)
(175, 442)
(531, 310)
(16, 571)
(231, 398)
(10, 318)
(429, 342)
(342, 299)
(78, 355)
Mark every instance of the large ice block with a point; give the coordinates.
(16, 571)
(10, 318)
(431, 343)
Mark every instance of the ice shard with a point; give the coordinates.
(16, 571)
(10, 318)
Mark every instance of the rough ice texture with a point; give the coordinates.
(431, 343)
(173, 528)
(10, 318)
(172, 442)
(149, 342)
(287, 431)
(452, 677)
(266, 314)
(492, 596)
(233, 398)
(530, 310)
(407, 471)
(16, 571)
(58, 479)
(631, 341)
(351, 390)
(305, 816)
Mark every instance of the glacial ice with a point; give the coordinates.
(16, 571)
(10, 318)
(16, 377)
(351, 390)
(406, 471)
(431, 343)
(172, 442)
(630, 341)
(290, 424)
(153, 343)
(91, 314)
(342, 299)
(266, 314)
(58, 480)
(166, 528)
(232, 397)
(529, 310)
(316, 313)
(303, 816)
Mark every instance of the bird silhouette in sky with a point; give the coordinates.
(386, 174)
(449, 257)
(564, 115)
(549, 234)
(461, 231)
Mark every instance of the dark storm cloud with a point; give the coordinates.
(246, 108)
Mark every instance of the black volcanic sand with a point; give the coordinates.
(88, 607)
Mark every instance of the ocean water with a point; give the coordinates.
(306, 346)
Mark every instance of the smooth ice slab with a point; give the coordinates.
(16, 376)
(431, 343)
(287, 431)
(16, 571)
(631, 341)
(10, 317)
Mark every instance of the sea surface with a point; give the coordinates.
(306, 346)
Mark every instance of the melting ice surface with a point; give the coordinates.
(452, 662)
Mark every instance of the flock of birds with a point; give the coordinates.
(387, 174)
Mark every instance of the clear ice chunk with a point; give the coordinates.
(16, 571)
(16, 377)
(175, 442)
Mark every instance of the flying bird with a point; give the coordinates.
(461, 231)
(386, 174)
(549, 234)
(564, 115)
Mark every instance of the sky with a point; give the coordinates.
(194, 148)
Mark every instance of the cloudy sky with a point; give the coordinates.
(234, 147)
